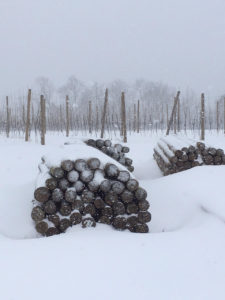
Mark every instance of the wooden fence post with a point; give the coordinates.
(178, 115)
(28, 116)
(172, 114)
(104, 113)
(7, 117)
(202, 117)
(124, 121)
(42, 120)
(90, 117)
(167, 115)
(138, 117)
(175, 121)
(217, 116)
(67, 116)
(135, 119)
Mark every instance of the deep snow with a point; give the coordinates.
(183, 256)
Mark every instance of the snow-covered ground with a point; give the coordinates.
(182, 258)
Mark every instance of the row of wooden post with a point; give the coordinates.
(175, 116)
(43, 117)
(173, 120)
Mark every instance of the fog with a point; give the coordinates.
(178, 42)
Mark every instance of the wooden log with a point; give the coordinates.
(88, 222)
(63, 184)
(67, 165)
(132, 185)
(79, 187)
(37, 214)
(107, 211)
(118, 187)
(140, 194)
(143, 205)
(99, 203)
(111, 171)
(75, 218)
(86, 176)
(42, 227)
(119, 223)
(167, 152)
(144, 217)
(93, 186)
(52, 231)
(49, 207)
(105, 220)
(105, 186)
(64, 224)
(123, 176)
(100, 143)
(65, 209)
(72, 176)
(42, 194)
(141, 228)
(78, 205)
(132, 208)
(132, 221)
(54, 219)
(93, 163)
(70, 195)
(57, 195)
(110, 198)
(80, 165)
(89, 209)
(212, 151)
(127, 196)
(87, 196)
(51, 183)
(58, 173)
(118, 208)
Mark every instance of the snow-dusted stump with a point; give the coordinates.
(87, 191)
(117, 151)
(174, 154)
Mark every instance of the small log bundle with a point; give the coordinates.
(116, 151)
(174, 154)
(86, 192)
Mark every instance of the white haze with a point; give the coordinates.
(179, 42)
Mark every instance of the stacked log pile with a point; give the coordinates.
(117, 151)
(175, 155)
(86, 192)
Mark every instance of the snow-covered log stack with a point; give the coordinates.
(117, 151)
(85, 191)
(176, 154)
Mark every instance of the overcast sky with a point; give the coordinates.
(179, 42)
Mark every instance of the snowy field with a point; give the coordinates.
(182, 258)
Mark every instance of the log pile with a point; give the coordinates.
(174, 155)
(116, 151)
(87, 192)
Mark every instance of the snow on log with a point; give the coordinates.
(116, 151)
(175, 154)
(81, 186)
